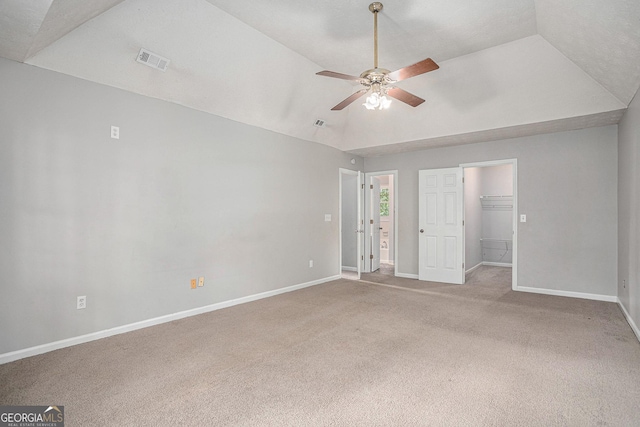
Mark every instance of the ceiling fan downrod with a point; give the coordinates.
(375, 7)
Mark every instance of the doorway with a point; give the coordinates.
(381, 208)
(491, 212)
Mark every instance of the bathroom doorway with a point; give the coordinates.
(381, 205)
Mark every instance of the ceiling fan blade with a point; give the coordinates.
(338, 75)
(404, 96)
(350, 99)
(414, 70)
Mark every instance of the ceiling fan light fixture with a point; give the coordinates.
(375, 101)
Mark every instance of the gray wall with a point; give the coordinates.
(568, 189)
(129, 222)
(629, 210)
(349, 220)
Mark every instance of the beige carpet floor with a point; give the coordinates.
(350, 353)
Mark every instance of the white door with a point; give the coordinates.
(360, 229)
(375, 223)
(440, 215)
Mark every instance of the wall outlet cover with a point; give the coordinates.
(81, 302)
(201, 281)
(193, 283)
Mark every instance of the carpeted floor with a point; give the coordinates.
(350, 353)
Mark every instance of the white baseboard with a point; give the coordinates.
(633, 325)
(407, 276)
(349, 268)
(45, 348)
(497, 264)
(596, 297)
(475, 267)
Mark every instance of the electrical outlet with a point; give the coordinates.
(523, 218)
(193, 283)
(115, 132)
(81, 302)
(201, 281)
(310, 263)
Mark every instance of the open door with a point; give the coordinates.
(360, 229)
(351, 223)
(441, 233)
(374, 243)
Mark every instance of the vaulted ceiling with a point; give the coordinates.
(507, 67)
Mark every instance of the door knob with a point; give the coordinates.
(422, 230)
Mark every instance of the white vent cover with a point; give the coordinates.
(320, 123)
(152, 60)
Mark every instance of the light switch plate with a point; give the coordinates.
(327, 217)
(115, 132)
(523, 218)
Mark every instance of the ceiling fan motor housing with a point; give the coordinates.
(376, 75)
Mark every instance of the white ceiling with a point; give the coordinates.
(507, 67)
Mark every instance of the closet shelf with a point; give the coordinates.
(497, 202)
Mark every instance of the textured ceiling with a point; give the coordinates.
(507, 67)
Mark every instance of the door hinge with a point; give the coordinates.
(363, 186)
(463, 265)
(362, 257)
(370, 221)
(463, 179)
(371, 187)
(370, 256)
(463, 222)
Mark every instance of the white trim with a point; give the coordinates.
(475, 267)
(407, 275)
(497, 264)
(633, 325)
(344, 268)
(45, 348)
(596, 297)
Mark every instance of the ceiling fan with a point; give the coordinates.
(379, 80)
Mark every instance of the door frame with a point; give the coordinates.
(514, 248)
(367, 226)
(359, 196)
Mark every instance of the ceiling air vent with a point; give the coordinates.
(152, 60)
(320, 123)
